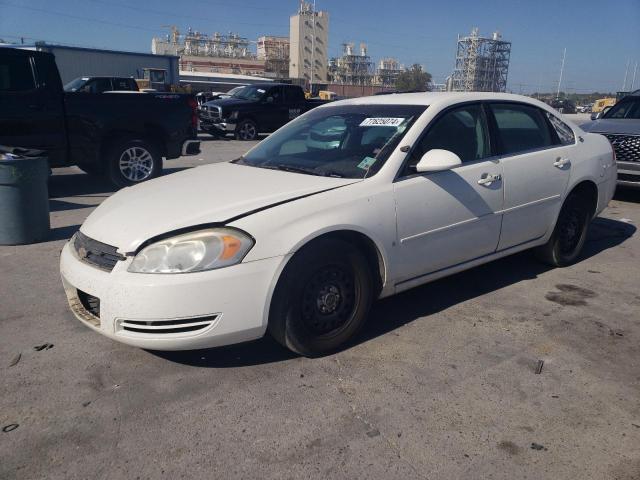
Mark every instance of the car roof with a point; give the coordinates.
(430, 98)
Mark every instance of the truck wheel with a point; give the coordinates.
(133, 161)
(322, 298)
(246, 130)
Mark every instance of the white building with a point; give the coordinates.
(309, 36)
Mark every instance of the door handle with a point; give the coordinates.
(561, 162)
(487, 179)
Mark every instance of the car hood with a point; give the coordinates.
(613, 125)
(229, 102)
(207, 194)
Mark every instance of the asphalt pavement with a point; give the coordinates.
(508, 371)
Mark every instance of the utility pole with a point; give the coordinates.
(564, 55)
(626, 72)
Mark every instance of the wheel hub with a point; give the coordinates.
(328, 299)
(136, 164)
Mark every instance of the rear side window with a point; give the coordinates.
(16, 74)
(294, 94)
(124, 84)
(565, 134)
(521, 127)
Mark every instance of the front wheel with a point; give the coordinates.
(133, 161)
(322, 298)
(569, 234)
(246, 130)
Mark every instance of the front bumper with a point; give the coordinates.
(173, 312)
(629, 174)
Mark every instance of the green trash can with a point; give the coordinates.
(24, 196)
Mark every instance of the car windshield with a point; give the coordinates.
(629, 109)
(75, 85)
(350, 141)
(249, 93)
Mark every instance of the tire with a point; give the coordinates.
(134, 161)
(246, 130)
(322, 298)
(569, 234)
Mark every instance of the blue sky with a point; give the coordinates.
(600, 35)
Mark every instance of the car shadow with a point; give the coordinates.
(393, 312)
(627, 194)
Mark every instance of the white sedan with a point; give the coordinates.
(351, 202)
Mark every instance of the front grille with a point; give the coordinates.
(625, 177)
(155, 327)
(210, 113)
(96, 253)
(627, 147)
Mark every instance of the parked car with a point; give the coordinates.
(254, 109)
(563, 106)
(122, 135)
(621, 125)
(101, 84)
(353, 201)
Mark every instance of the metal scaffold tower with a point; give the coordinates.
(482, 64)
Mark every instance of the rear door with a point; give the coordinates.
(536, 166)
(31, 104)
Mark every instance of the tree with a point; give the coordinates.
(415, 78)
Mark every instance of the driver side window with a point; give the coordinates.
(462, 130)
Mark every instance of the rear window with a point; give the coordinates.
(16, 74)
(521, 127)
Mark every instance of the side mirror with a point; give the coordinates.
(596, 116)
(437, 160)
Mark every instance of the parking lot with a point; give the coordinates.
(445, 382)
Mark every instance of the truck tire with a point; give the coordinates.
(133, 161)
(246, 130)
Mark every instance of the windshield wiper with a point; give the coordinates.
(290, 168)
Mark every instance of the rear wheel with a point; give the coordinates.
(322, 298)
(569, 234)
(133, 161)
(246, 130)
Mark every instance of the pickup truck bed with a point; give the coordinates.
(122, 135)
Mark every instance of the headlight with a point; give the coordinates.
(233, 115)
(193, 252)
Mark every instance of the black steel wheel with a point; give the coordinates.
(569, 234)
(322, 298)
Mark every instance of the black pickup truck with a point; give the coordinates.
(122, 135)
(258, 108)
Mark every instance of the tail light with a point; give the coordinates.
(194, 111)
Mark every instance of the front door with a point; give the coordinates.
(450, 217)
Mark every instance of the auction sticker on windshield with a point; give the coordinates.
(382, 122)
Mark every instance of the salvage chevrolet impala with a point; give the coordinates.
(353, 201)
